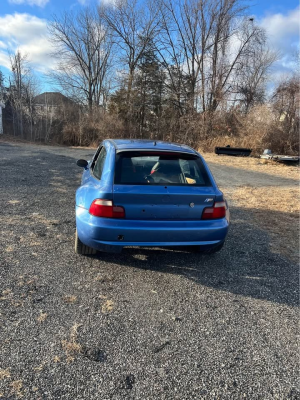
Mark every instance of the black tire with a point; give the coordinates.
(81, 248)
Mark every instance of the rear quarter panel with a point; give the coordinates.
(219, 194)
(93, 188)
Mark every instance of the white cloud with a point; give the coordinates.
(4, 60)
(111, 3)
(283, 36)
(39, 3)
(282, 27)
(28, 34)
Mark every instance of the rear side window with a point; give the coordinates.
(160, 168)
(99, 163)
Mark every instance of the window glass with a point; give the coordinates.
(141, 168)
(98, 168)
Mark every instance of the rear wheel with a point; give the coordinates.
(81, 248)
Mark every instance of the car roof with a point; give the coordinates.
(139, 144)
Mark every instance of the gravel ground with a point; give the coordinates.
(146, 324)
(256, 172)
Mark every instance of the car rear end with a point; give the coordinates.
(158, 198)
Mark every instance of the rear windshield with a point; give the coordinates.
(158, 168)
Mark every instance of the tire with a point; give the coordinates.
(81, 248)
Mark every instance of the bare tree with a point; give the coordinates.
(2, 99)
(169, 46)
(18, 82)
(83, 50)
(30, 91)
(250, 81)
(2, 90)
(286, 104)
(133, 25)
(21, 92)
(230, 59)
(194, 40)
(205, 48)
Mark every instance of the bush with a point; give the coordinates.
(91, 129)
(259, 129)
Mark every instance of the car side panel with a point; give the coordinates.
(219, 194)
(93, 188)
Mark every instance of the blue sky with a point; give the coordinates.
(40, 8)
(45, 8)
(23, 25)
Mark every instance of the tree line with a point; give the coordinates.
(183, 70)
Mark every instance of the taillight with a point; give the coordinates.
(215, 212)
(106, 209)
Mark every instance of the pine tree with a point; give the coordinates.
(149, 89)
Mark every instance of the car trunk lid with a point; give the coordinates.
(162, 186)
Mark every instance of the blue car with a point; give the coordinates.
(148, 193)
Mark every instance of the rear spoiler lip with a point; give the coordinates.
(194, 154)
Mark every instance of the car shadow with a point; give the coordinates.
(245, 266)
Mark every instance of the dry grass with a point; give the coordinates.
(4, 374)
(104, 278)
(16, 388)
(276, 210)
(41, 218)
(107, 307)
(70, 299)
(9, 249)
(14, 201)
(61, 190)
(24, 219)
(84, 147)
(56, 183)
(71, 347)
(259, 129)
(17, 303)
(42, 317)
(280, 199)
(40, 367)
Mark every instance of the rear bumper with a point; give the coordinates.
(107, 234)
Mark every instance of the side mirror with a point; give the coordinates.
(82, 163)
